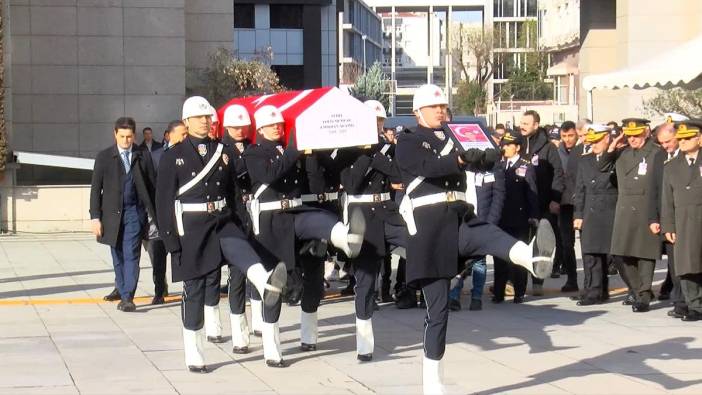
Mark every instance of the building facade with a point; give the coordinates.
(360, 39)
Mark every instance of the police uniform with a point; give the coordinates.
(366, 184)
(195, 178)
(521, 205)
(631, 236)
(595, 202)
(442, 225)
(682, 215)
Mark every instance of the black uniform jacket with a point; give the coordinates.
(106, 188)
(521, 199)
(197, 252)
(243, 182)
(286, 175)
(549, 171)
(370, 174)
(636, 174)
(595, 203)
(433, 251)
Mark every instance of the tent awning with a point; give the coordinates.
(675, 67)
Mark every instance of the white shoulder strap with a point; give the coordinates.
(203, 172)
(385, 149)
(415, 183)
(260, 190)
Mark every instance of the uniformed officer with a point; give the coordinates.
(435, 211)
(195, 178)
(519, 213)
(595, 202)
(279, 218)
(681, 219)
(632, 239)
(366, 182)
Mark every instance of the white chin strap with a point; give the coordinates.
(422, 122)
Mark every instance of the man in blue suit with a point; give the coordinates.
(121, 196)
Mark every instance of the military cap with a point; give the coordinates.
(634, 126)
(671, 117)
(513, 137)
(596, 132)
(687, 129)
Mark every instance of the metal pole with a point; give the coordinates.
(590, 110)
(364, 37)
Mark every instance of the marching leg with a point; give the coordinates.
(237, 314)
(240, 333)
(435, 325)
(365, 273)
(213, 321)
(271, 345)
(256, 313)
(312, 293)
(308, 331)
(192, 314)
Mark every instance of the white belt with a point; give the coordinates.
(207, 207)
(369, 198)
(322, 197)
(407, 205)
(281, 204)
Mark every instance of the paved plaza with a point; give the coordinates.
(57, 336)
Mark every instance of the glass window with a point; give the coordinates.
(291, 77)
(244, 16)
(532, 8)
(285, 16)
(508, 10)
(497, 8)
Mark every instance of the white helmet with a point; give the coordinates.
(236, 115)
(377, 107)
(428, 95)
(196, 106)
(267, 115)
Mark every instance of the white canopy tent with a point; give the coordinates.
(678, 67)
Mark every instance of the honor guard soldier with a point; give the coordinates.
(595, 203)
(681, 219)
(367, 187)
(442, 225)
(279, 218)
(519, 213)
(195, 177)
(635, 164)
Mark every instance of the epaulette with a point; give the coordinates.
(524, 161)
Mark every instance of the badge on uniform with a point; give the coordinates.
(225, 159)
(426, 145)
(280, 149)
(202, 149)
(535, 160)
(642, 168)
(240, 146)
(179, 161)
(479, 180)
(521, 171)
(440, 135)
(489, 178)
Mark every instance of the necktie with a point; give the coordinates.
(692, 161)
(125, 161)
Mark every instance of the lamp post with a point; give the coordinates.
(364, 37)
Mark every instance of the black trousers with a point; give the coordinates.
(569, 262)
(312, 282)
(692, 290)
(237, 290)
(638, 274)
(676, 294)
(157, 255)
(596, 281)
(482, 239)
(435, 293)
(197, 293)
(365, 275)
(504, 270)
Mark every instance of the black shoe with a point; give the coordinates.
(386, 298)
(629, 300)
(639, 307)
(587, 302)
(240, 350)
(692, 315)
(216, 339)
(570, 288)
(112, 296)
(308, 347)
(454, 305)
(158, 300)
(126, 306)
(475, 305)
(518, 299)
(276, 364)
(677, 313)
(364, 357)
(406, 301)
(664, 296)
(198, 369)
(497, 300)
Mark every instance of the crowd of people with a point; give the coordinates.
(274, 215)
